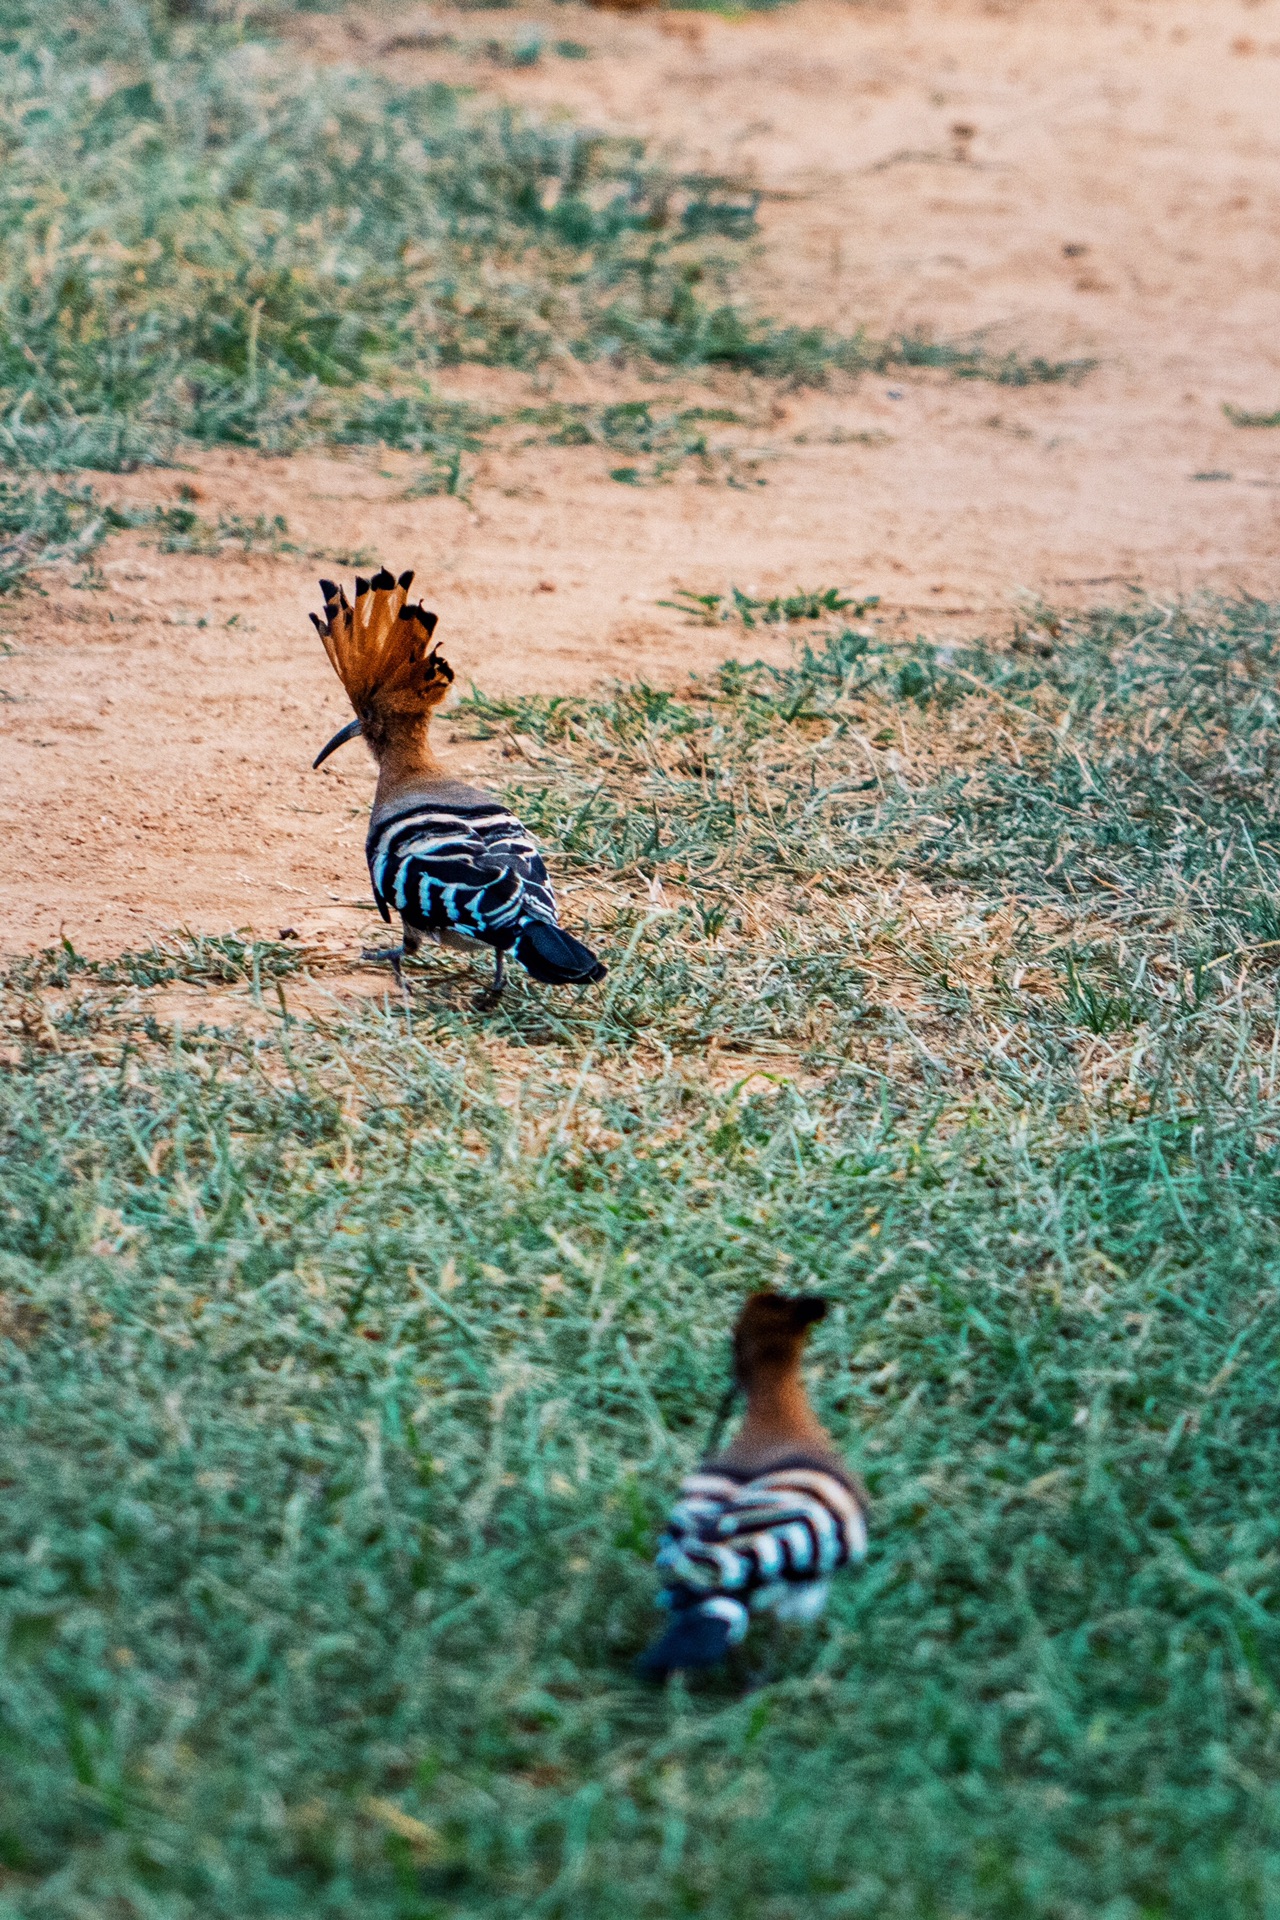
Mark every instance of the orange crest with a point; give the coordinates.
(382, 648)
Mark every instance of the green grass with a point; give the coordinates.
(41, 525)
(660, 441)
(205, 234)
(1242, 417)
(203, 238)
(779, 610)
(350, 1358)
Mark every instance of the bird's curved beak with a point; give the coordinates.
(339, 739)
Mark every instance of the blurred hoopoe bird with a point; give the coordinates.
(764, 1524)
(450, 859)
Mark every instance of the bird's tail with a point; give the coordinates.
(555, 957)
(697, 1637)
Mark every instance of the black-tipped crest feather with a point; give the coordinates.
(377, 652)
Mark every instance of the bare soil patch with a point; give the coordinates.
(1115, 195)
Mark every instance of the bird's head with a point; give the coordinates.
(770, 1335)
(382, 650)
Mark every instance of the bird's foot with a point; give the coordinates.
(394, 956)
(488, 1000)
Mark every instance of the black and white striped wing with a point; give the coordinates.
(466, 867)
(509, 840)
(739, 1538)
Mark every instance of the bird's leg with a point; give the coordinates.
(397, 955)
(487, 1001)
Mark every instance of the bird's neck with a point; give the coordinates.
(406, 762)
(778, 1414)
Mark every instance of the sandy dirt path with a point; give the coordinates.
(1116, 195)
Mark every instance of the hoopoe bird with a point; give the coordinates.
(764, 1524)
(450, 859)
